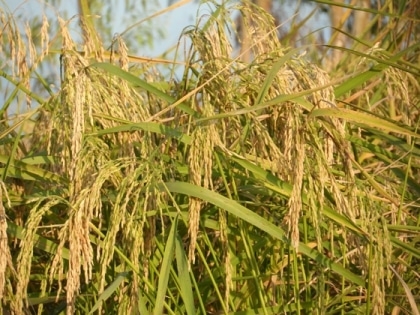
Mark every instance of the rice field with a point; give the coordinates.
(278, 184)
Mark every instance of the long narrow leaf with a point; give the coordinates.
(363, 118)
(408, 293)
(41, 243)
(112, 288)
(146, 126)
(22, 170)
(137, 82)
(165, 268)
(247, 215)
(275, 184)
(273, 73)
(184, 277)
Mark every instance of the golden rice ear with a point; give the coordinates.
(257, 31)
(205, 138)
(85, 95)
(6, 260)
(92, 43)
(295, 201)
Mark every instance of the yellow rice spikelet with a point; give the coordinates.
(200, 162)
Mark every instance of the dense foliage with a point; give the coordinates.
(260, 187)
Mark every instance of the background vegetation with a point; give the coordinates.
(259, 186)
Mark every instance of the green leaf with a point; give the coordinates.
(38, 159)
(113, 287)
(184, 277)
(273, 73)
(247, 215)
(137, 82)
(356, 81)
(285, 189)
(408, 293)
(19, 169)
(363, 118)
(41, 242)
(406, 247)
(145, 126)
(165, 268)
(360, 79)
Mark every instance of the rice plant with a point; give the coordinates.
(261, 186)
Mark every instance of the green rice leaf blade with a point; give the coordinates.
(363, 118)
(406, 247)
(41, 242)
(165, 269)
(184, 277)
(113, 287)
(137, 82)
(19, 169)
(275, 184)
(247, 215)
(273, 73)
(38, 160)
(145, 126)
